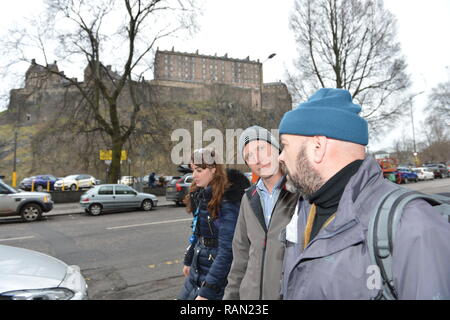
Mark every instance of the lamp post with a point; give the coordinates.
(262, 78)
(416, 160)
(16, 133)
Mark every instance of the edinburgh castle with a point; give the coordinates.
(220, 91)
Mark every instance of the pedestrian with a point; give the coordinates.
(151, 180)
(324, 143)
(214, 200)
(265, 211)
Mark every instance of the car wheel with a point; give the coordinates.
(40, 188)
(406, 181)
(147, 205)
(73, 188)
(31, 212)
(95, 209)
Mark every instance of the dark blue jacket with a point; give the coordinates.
(213, 265)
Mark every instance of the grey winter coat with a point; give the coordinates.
(336, 263)
(257, 251)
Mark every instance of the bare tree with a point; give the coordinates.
(439, 102)
(350, 44)
(122, 33)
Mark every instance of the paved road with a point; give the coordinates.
(127, 255)
(135, 255)
(431, 186)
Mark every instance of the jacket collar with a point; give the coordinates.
(368, 174)
(346, 229)
(255, 201)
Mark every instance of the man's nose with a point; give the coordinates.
(281, 157)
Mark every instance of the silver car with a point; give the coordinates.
(31, 275)
(28, 205)
(116, 197)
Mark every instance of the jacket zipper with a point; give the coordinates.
(266, 231)
(262, 267)
(261, 287)
(209, 226)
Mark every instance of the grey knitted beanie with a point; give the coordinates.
(256, 133)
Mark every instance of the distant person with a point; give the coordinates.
(214, 200)
(324, 143)
(151, 180)
(266, 209)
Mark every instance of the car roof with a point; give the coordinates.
(111, 185)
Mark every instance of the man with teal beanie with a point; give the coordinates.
(327, 254)
(333, 107)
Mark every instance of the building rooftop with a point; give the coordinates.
(198, 55)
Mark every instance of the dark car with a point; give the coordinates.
(177, 189)
(440, 170)
(41, 183)
(404, 175)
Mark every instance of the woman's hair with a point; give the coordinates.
(206, 158)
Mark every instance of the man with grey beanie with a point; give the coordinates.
(266, 208)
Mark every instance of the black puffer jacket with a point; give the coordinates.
(234, 194)
(221, 229)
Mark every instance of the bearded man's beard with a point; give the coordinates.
(306, 180)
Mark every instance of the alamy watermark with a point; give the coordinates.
(374, 281)
(225, 146)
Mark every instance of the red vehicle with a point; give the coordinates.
(389, 168)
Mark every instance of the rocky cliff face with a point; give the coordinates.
(42, 107)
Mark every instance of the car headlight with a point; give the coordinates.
(40, 294)
(74, 281)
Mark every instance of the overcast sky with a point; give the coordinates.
(257, 28)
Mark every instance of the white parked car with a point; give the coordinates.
(75, 182)
(127, 180)
(31, 275)
(424, 173)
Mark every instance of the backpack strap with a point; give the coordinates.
(382, 230)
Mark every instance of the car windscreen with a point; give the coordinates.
(4, 187)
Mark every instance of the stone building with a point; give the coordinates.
(195, 68)
(186, 88)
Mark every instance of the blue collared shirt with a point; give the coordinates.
(268, 200)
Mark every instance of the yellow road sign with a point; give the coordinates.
(107, 155)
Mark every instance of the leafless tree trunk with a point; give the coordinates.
(123, 33)
(350, 44)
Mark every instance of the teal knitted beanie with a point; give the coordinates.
(330, 113)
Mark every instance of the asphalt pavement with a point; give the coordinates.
(125, 255)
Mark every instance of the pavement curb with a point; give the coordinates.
(81, 211)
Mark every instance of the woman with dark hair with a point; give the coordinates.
(214, 200)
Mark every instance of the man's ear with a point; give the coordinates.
(320, 148)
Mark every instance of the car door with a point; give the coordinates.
(8, 203)
(105, 196)
(125, 197)
(43, 180)
(52, 180)
(82, 181)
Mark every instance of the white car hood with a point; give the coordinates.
(25, 269)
